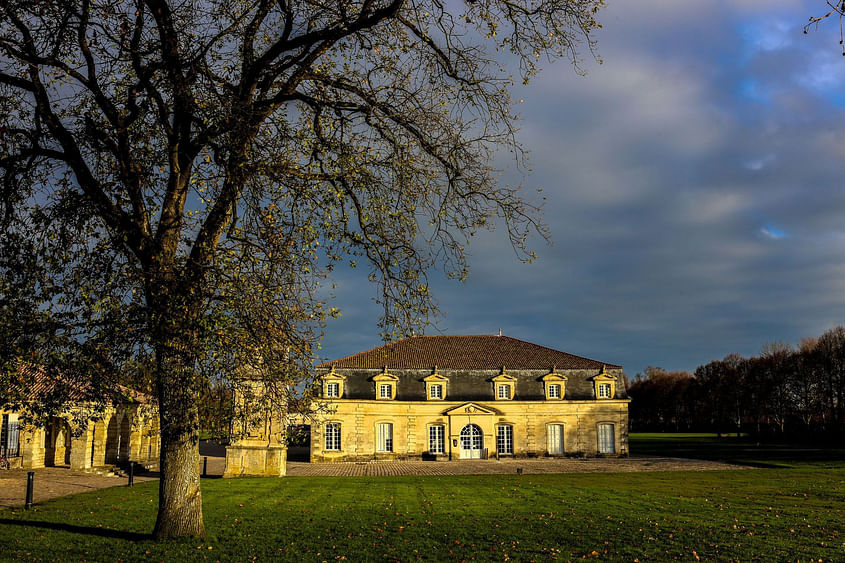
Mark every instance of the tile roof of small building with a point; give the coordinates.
(465, 352)
(38, 385)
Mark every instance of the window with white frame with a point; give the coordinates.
(333, 389)
(604, 390)
(436, 440)
(435, 386)
(607, 441)
(333, 436)
(385, 391)
(384, 437)
(555, 438)
(554, 391)
(504, 439)
(504, 391)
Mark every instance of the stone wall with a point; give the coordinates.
(79, 440)
(529, 421)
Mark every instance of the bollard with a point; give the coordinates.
(205, 466)
(131, 474)
(30, 479)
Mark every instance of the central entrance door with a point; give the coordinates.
(472, 441)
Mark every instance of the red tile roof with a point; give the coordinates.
(39, 385)
(465, 352)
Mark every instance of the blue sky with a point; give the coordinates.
(694, 194)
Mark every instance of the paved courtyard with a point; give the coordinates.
(53, 482)
(504, 466)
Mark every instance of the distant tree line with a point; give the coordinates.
(785, 390)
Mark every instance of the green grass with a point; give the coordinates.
(742, 449)
(754, 514)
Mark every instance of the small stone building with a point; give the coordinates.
(259, 448)
(85, 433)
(468, 397)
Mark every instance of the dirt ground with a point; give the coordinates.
(53, 482)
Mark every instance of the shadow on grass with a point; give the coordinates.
(87, 530)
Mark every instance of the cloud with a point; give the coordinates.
(707, 135)
(757, 164)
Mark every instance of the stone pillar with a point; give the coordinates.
(261, 448)
(98, 446)
(32, 448)
(80, 448)
(136, 427)
(154, 448)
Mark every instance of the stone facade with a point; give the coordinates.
(115, 435)
(458, 397)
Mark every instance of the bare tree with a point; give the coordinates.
(182, 175)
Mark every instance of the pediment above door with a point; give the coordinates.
(470, 409)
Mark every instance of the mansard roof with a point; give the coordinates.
(465, 352)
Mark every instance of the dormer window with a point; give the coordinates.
(385, 385)
(555, 385)
(435, 386)
(333, 384)
(503, 386)
(605, 384)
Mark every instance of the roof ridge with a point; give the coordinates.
(420, 350)
(450, 336)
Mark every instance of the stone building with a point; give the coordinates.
(464, 397)
(85, 434)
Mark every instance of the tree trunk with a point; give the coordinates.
(179, 498)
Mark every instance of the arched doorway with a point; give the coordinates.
(472, 442)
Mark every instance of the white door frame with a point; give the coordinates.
(472, 436)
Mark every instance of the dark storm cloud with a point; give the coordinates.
(693, 192)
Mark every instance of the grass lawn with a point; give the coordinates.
(754, 514)
(742, 449)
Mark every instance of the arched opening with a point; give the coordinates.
(64, 449)
(472, 442)
(113, 440)
(125, 446)
(51, 437)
